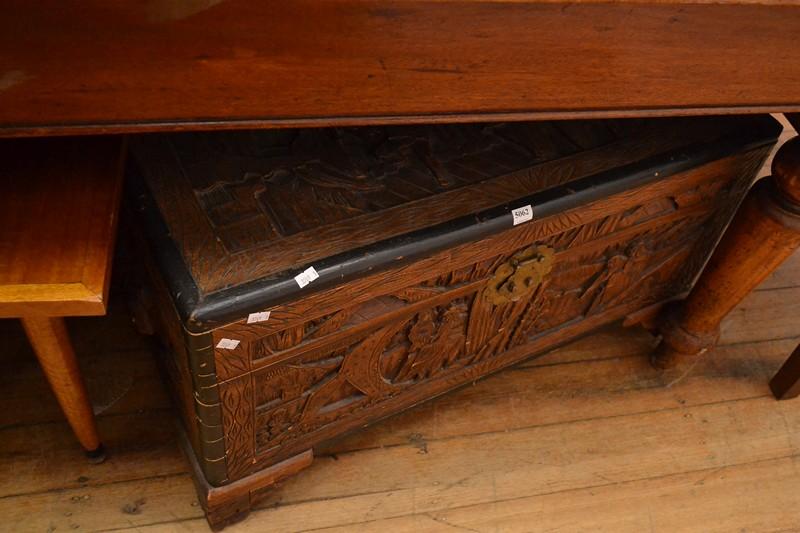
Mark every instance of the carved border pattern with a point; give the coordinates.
(236, 398)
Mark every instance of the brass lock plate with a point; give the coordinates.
(520, 275)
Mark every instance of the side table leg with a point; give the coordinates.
(52, 346)
(764, 232)
(786, 383)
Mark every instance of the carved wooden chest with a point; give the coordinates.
(308, 282)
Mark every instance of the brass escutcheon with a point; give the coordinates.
(520, 275)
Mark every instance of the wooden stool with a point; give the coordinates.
(59, 200)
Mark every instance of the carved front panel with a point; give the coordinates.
(304, 394)
(323, 375)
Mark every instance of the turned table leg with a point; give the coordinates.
(764, 232)
(52, 346)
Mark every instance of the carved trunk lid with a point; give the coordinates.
(243, 221)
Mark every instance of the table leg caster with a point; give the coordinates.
(96, 456)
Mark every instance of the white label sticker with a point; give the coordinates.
(522, 214)
(228, 344)
(253, 318)
(305, 277)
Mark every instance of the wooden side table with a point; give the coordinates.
(59, 200)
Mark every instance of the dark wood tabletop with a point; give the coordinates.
(70, 66)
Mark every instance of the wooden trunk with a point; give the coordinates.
(441, 254)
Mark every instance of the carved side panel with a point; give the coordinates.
(230, 363)
(236, 397)
(727, 200)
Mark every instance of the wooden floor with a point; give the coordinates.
(587, 438)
